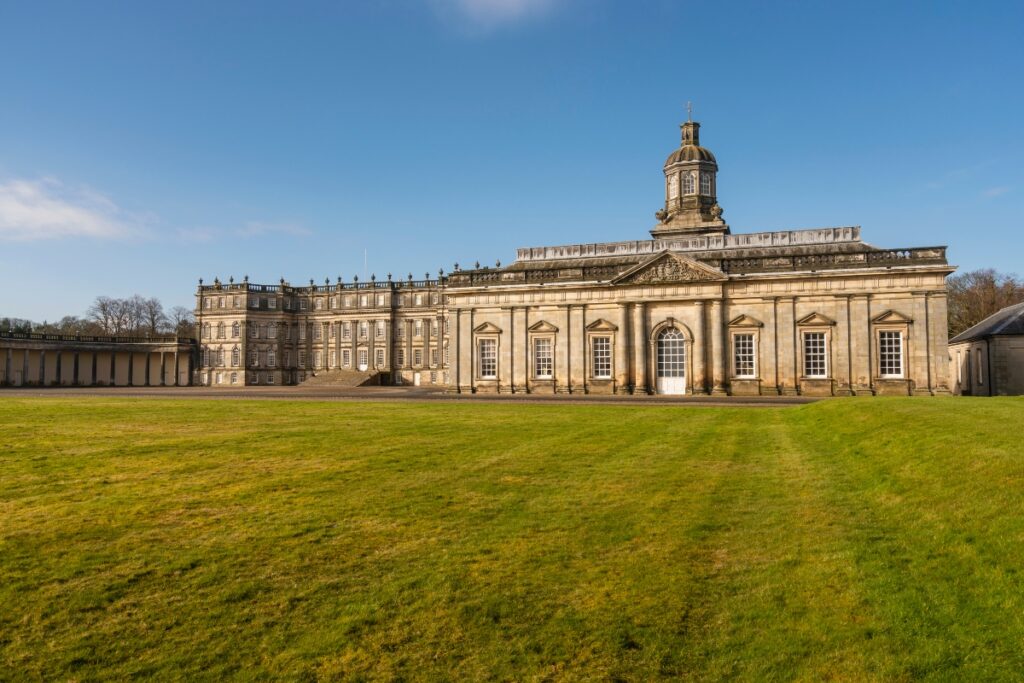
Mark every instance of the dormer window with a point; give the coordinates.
(705, 184)
(688, 184)
(673, 187)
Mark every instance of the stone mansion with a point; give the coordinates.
(693, 310)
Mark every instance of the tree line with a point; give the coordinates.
(133, 316)
(977, 294)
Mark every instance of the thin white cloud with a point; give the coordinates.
(996, 191)
(484, 15)
(48, 209)
(257, 229)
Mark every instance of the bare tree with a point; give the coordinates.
(102, 312)
(975, 295)
(182, 321)
(152, 319)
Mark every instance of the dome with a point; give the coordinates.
(690, 153)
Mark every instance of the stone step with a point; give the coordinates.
(340, 378)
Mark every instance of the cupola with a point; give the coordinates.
(691, 204)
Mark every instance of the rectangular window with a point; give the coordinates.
(272, 331)
(319, 304)
(302, 359)
(317, 330)
(543, 359)
(317, 358)
(272, 302)
(362, 300)
(302, 331)
(488, 353)
(743, 355)
(419, 299)
(271, 359)
(417, 357)
(601, 357)
(400, 357)
(890, 353)
(303, 304)
(346, 357)
(380, 357)
(364, 329)
(330, 328)
(253, 359)
(433, 356)
(705, 183)
(380, 329)
(287, 357)
(417, 328)
(346, 330)
(815, 355)
(270, 378)
(445, 356)
(380, 299)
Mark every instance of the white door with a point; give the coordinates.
(671, 362)
(363, 356)
(416, 379)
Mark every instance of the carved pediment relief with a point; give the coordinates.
(745, 321)
(602, 326)
(669, 267)
(816, 319)
(487, 328)
(543, 326)
(892, 317)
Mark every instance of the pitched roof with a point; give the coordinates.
(1009, 320)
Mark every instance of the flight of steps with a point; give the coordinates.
(341, 378)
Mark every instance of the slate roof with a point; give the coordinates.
(1009, 320)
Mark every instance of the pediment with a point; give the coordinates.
(543, 326)
(816, 319)
(892, 317)
(669, 267)
(745, 321)
(487, 328)
(602, 326)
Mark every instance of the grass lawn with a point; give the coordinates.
(849, 539)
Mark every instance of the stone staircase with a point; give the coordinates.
(341, 378)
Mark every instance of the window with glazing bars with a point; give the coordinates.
(890, 353)
(488, 354)
(743, 355)
(601, 355)
(815, 355)
(543, 360)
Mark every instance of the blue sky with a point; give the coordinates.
(145, 145)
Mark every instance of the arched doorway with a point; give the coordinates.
(671, 369)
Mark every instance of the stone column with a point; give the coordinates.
(517, 340)
(621, 370)
(786, 341)
(163, 369)
(7, 366)
(640, 348)
(717, 349)
(935, 310)
(700, 383)
(508, 366)
(131, 369)
(60, 370)
(176, 369)
(409, 328)
(149, 356)
(42, 367)
(371, 333)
